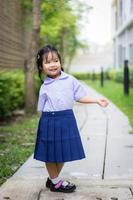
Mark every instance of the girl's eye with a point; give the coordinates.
(48, 62)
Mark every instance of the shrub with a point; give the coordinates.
(11, 91)
(86, 76)
(118, 75)
(82, 76)
(131, 76)
(110, 74)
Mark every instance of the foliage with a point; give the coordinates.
(82, 76)
(87, 76)
(26, 4)
(59, 25)
(109, 74)
(26, 20)
(131, 75)
(118, 75)
(11, 91)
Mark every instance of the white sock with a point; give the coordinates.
(55, 180)
(65, 183)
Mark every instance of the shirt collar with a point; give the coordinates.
(49, 80)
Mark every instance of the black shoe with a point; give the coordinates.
(60, 188)
(48, 183)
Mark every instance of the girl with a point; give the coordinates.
(58, 139)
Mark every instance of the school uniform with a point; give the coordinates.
(58, 138)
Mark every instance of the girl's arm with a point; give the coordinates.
(101, 101)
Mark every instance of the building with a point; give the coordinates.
(93, 59)
(11, 35)
(122, 31)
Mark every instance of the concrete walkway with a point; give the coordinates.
(105, 174)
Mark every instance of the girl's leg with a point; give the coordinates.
(57, 185)
(59, 167)
(52, 170)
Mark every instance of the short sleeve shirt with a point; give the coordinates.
(60, 93)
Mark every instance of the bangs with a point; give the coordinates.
(53, 53)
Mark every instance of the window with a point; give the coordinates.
(131, 6)
(121, 55)
(116, 21)
(131, 54)
(120, 12)
(121, 8)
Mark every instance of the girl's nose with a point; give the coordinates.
(52, 64)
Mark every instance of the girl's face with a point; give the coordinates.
(51, 65)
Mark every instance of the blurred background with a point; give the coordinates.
(95, 40)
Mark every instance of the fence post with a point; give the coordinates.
(126, 78)
(102, 77)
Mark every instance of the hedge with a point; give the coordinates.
(11, 91)
(111, 74)
(118, 75)
(86, 76)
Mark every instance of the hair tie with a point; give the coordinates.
(38, 56)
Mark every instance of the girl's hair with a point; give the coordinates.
(39, 58)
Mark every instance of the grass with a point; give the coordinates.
(114, 92)
(16, 145)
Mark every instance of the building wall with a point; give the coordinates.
(11, 34)
(122, 14)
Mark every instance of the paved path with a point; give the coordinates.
(105, 174)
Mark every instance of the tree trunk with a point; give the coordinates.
(30, 97)
(62, 35)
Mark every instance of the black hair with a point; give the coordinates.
(39, 58)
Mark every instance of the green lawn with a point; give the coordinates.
(16, 145)
(114, 91)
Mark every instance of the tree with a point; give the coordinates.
(59, 27)
(30, 97)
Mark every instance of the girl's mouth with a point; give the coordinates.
(54, 69)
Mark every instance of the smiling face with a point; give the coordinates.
(51, 64)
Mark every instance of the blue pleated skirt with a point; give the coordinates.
(58, 138)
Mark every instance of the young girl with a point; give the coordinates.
(58, 139)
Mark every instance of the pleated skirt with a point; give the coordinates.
(58, 138)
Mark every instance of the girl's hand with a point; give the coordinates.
(102, 102)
